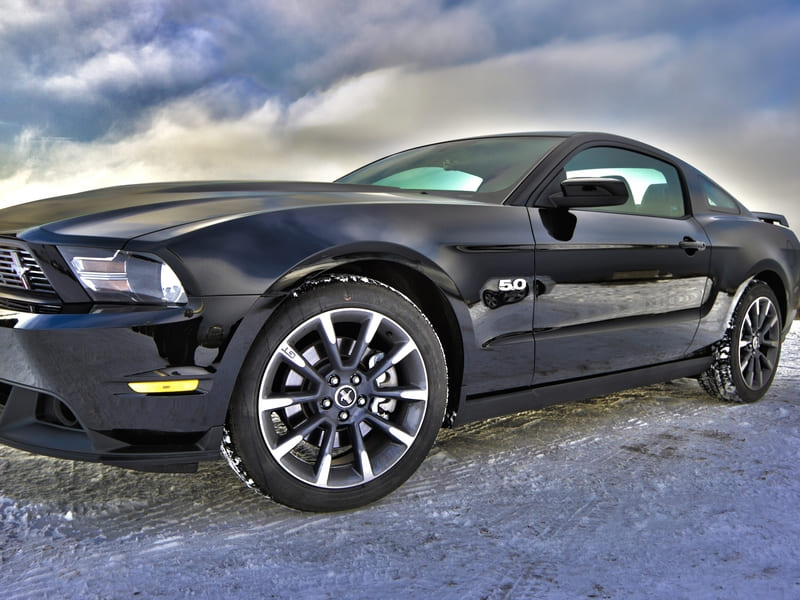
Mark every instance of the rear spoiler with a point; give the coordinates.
(772, 218)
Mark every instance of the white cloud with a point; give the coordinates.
(154, 64)
(17, 14)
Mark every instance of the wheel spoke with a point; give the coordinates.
(748, 370)
(365, 337)
(767, 365)
(290, 441)
(408, 394)
(361, 455)
(758, 372)
(392, 431)
(287, 446)
(298, 364)
(747, 325)
(769, 324)
(745, 355)
(753, 317)
(398, 353)
(324, 458)
(275, 402)
(328, 337)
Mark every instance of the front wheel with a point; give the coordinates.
(340, 398)
(746, 360)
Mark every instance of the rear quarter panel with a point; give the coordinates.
(743, 247)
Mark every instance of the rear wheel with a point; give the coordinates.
(746, 360)
(340, 399)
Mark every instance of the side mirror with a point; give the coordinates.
(586, 192)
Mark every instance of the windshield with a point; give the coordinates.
(488, 165)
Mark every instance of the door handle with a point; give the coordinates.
(688, 243)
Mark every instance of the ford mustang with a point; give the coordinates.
(320, 334)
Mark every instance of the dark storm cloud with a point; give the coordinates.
(81, 69)
(78, 69)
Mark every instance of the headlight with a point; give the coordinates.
(118, 276)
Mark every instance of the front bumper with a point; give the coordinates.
(64, 382)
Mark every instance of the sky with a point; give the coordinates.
(106, 92)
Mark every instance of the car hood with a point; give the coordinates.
(131, 211)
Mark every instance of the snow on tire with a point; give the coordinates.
(746, 359)
(340, 399)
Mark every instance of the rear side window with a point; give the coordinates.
(654, 186)
(718, 199)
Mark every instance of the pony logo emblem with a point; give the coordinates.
(346, 396)
(20, 269)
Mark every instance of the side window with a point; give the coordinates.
(654, 186)
(718, 199)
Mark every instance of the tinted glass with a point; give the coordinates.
(654, 186)
(490, 165)
(718, 199)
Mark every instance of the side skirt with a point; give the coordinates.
(485, 406)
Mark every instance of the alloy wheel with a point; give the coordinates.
(343, 398)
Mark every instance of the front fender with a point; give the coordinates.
(462, 248)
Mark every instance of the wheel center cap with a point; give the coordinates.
(756, 343)
(345, 396)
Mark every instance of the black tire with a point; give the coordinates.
(746, 360)
(340, 398)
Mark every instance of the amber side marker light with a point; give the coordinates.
(164, 387)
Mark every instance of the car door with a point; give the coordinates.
(617, 287)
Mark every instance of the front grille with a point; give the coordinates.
(20, 271)
(29, 307)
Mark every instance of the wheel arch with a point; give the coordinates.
(775, 282)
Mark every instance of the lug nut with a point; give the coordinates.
(333, 380)
(362, 401)
(326, 403)
(355, 380)
(344, 415)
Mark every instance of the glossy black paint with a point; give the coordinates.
(608, 301)
(625, 270)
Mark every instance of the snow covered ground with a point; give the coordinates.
(660, 492)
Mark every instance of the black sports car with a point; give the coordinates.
(321, 334)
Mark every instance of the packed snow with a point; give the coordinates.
(658, 492)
